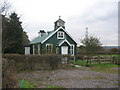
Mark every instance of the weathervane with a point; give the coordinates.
(59, 17)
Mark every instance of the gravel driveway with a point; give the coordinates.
(71, 78)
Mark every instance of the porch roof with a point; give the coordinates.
(62, 41)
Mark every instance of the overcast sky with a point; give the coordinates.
(100, 16)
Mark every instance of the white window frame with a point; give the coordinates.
(57, 50)
(61, 33)
(72, 50)
(51, 48)
(58, 24)
(38, 48)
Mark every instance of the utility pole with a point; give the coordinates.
(86, 37)
(86, 34)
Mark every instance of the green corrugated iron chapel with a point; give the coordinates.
(57, 41)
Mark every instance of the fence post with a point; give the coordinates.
(90, 59)
(99, 59)
(74, 59)
(111, 59)
(87, 61)
(84, 60)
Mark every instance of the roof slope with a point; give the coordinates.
(60, 41)
(42, 38)
(48, 35)
(60, 20)
(55, 32)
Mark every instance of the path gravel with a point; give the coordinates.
(81, 77)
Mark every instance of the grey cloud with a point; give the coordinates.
(101, 12)
(101, 20)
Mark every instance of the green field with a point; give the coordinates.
(95, 63)
(118, 56)
(95, 66)
(83, 63)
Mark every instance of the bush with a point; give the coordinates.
(9, 77)
(35, 62)
(14, 63)
(116, 59)
(79, 57)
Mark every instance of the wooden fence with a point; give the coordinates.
(99, 59)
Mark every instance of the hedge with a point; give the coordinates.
(35, 62)
(9, 74)
(14, 63)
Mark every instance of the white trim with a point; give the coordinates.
(63, 42)
(55, 32)
(57, 52)
(49, 44)
(33, 49)
(73, 49)
(60, 33)
(51, 35)
(51, 48)
(38, 48)
(58, 24)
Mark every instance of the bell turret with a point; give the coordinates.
(59, 23)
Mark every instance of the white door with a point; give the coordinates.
(64, 49)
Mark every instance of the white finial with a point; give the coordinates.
(86, 28)
(59, 17)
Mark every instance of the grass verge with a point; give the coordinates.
(27, 84)
(107, 67)
(103, 67)
(55, 87)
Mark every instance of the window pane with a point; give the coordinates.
(72, 49)
(49, 48)
(60, 35)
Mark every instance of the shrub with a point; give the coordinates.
(35, 62)
(79, 57)
(9, 78)
(116, 59)
(13, 63)
(54, 61)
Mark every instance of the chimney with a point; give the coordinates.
(41, 33)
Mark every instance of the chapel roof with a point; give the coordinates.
(41, 38)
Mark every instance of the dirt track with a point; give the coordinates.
(72, 78)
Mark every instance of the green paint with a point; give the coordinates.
(53, 40)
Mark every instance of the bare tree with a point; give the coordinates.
(4, 7)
